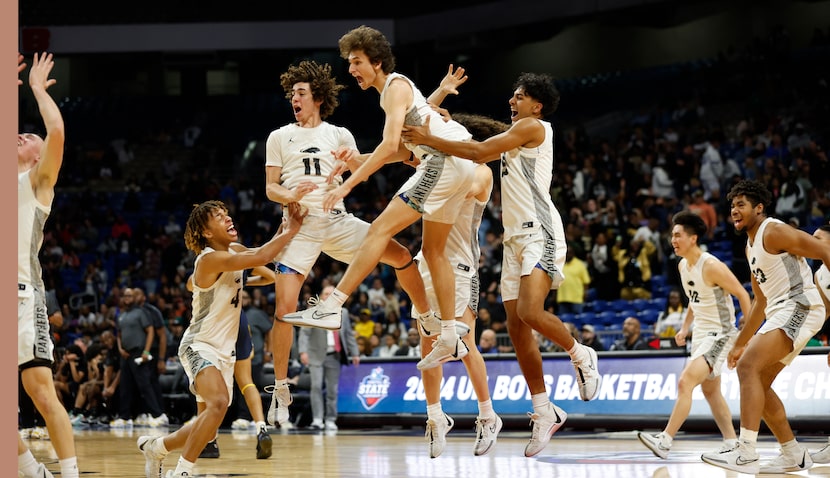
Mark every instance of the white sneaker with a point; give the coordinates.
(173, 474)
(587, 375)
(822, 456)
(41, 472)
(545, 425)
(159, 421)
(280, 400)
(656, 443)
(436, 434)
(487, 432)
(443, 352)
(152, 460)
(743, 459)
(315, 316)
(430, 326)
(241, 424)
(142, 419)
(330, 425)
(121, 423)
(785, 463)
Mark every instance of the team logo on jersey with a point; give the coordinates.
(373, 388)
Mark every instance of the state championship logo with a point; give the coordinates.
(373, 388)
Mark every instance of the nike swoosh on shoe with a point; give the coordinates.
(318, 316)
(740, 461)
(803, 460)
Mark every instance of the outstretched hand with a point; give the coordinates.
(412, 134)
(452, 80)
(39, 73)
(20, 67)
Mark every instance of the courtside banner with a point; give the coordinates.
(639, 385)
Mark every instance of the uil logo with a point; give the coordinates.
(373, 388)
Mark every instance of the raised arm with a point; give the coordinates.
(448, 86)
(45, 172)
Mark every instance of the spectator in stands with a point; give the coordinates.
(389, 345)
(135, 339)
(589, 337)
(111, 377)
(158, 351)
(412, 346)
(498, 318)
(570, 297)
(365, 326)
(671, 317)
(705, 210)
(603, 268)
(634, 269)
(631, 339)
(487, 343)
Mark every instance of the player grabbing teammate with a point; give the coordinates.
(38, 164)
(788, 304)
(434, 193)
(300, 162)
(534, 242)
(709, 285)
(207, 347)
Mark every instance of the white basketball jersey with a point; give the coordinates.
(712, 306)
(823, 281)
(781, 277)
(31, 218)
(525, 183)
(304, 154)
(215, 320)
(420, 109)
(463, 249)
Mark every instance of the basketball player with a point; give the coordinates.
(38, 165)
(534, 242)
(207, 347)
(789, 305)
(434, 193)
(709, 285)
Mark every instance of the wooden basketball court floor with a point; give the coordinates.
(402, 452)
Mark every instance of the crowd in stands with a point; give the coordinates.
(115, 225)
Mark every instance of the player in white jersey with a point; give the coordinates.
(302, 165)
(207, 349)
(709, 285)
(822, 277)
(434, 192)
(464, 252)
(38, 165)
(534, 242)
(788, 304)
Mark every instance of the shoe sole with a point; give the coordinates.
(332, 324)
(753, 470)
(263, 448)
(424, 365)
(649, 446)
